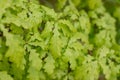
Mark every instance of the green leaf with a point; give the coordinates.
(84, 22)
(5, 76)
(94, 4)
(3, 5)
(55, 43)
(35, 65)
(49, 65)
(50, 13)
(15, 50)
(35, 61)
(33, 74)
(83, 72)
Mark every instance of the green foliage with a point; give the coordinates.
(76, 40)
